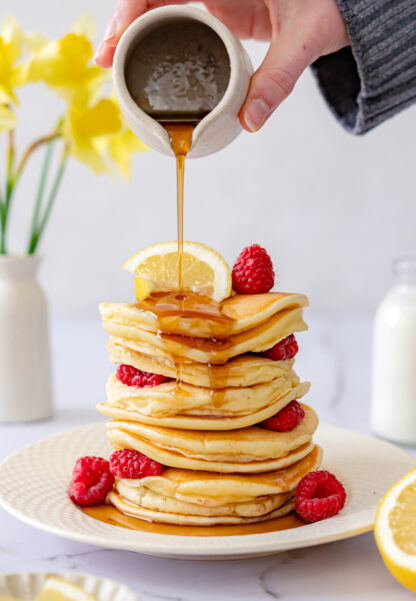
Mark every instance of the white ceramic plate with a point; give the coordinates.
(26, 585)
(34, 483)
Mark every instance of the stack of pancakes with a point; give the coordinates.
(203, 423)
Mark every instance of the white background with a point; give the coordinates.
(333, 210)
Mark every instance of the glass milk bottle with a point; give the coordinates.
(393, 409)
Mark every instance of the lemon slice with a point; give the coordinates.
(395, 530)
(157, 268)
(57, 589)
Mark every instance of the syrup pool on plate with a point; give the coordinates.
(110, 515)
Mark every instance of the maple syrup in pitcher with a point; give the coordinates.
(177, 74)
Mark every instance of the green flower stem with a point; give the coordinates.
(13, 175)
(10, 182)
(31, 149)
(40, 192)
(6, 211)
(34, 241)
(2, 227)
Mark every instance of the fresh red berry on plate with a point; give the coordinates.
(128, 463)
(287, 419)
(285, 349)
(253, 271)
(91, 481)
(131, 376)
(319, 495)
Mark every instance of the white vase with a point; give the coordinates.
(25, 373)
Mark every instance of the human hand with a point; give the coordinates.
(300, 31)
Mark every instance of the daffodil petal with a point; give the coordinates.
(121, 148)
(7, 119)
(13, 36)
(35, 42)
(98, 120)
(85, 26)
(65, 65)
(91, 157)
(11, 40)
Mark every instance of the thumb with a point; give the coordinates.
(124, 13)
(274, 80)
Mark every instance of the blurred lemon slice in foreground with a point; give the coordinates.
(57, 589)
(395, 530)
(204, 270)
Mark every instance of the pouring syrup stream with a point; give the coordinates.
(180, 137)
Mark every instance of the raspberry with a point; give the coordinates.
(253, 271)
(131, 376)
(285, 349)
(287, 419)
(128, 463)
(319, 495)
(91, 481)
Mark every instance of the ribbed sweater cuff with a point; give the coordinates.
(376, 77)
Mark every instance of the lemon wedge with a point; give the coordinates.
(204, 270)
(395, 530)
(58, 589)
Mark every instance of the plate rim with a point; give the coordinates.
(72, 576)
(244, 545)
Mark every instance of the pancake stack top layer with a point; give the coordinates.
(203, 421)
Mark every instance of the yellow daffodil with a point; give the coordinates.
(86, 128)
(85, 26)
(66, 64)
(92, 127)
(11, 74)
(120, 148)
(121, 145)
(7, 118)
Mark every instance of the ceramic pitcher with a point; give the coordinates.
(25, 375)
(221, 125)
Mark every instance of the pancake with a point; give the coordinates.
(169, 398)
(140, 495)
(190, 520)
(120, 439)
(245, 370)
(124, 411)
(247, 450)
(234, 315)
(187, 497)
(214, 489)
(203, 350)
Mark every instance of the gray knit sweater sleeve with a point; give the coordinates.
(375, 78)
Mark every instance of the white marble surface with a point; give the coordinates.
(335, 356)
